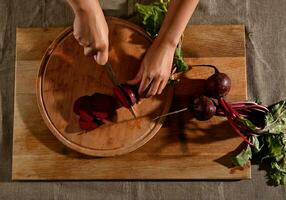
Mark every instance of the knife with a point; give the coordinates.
(116, 83)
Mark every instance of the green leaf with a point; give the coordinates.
(276, 118)
(278, 178)
(243, 157)
(275, 146)
(274, 155)
(254, 140)
(152, 16)
(248, 124)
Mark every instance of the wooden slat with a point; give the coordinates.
(214, 41)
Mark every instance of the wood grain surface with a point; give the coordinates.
(67, 74)
(196, 150)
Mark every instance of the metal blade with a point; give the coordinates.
(116, 83)
(170, 113)
(111, 74)
(131, 109)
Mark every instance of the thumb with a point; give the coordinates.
(137, 78)
(101, 57)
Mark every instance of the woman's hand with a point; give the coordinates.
(155, 69)
(90, 29)
(157, 63)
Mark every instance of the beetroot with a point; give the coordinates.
(218, 85)
(87, 125)
(202, 108)
(100, 115)
(102, 103)
(82, 103)
(131, 93)
(121, 97)
(94, 109)
(126, 95)
(84, 115)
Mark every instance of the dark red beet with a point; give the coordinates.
(98, 121)
(93, 109)
(127, 95)
(82, 103)
(129, 92)
(87, 125)
(218, 85)
(121, 97)
(203, 108)
(100, 115)
(85, 116)
(103, 103)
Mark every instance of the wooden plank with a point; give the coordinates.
(214, 41)
(203, 153)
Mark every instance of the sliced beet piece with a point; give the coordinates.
(82, 103)
(98, 121)
(130, 95)
(84, 115)
(121, 97)
(100, 115)
(87, 125)
(103, 103)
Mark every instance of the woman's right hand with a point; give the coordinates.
(90, 29)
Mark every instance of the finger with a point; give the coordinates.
(76, 36)
(137, 78)
(89, 51)
(162, 86)
(154, 87)
(80, 43)
(102, 57)
(145, 82)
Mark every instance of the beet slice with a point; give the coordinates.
(84, 115)
(102, 103)
(129, 95)
(121, 97)
(98, 121)
(100, 115)
(87, 125)
(93, 110)
(82, 103)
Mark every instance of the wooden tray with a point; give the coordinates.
(195, 151)
(67, 74)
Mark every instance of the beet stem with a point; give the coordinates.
(212, 66)
(230, 116)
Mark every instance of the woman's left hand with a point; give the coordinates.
(155, 69)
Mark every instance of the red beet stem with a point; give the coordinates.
(231, 116)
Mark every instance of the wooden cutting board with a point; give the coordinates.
(196, 150)
(67, 74)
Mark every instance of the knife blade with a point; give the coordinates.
(170, 113)
(111, 74)
(116, 83)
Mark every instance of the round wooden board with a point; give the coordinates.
(66, 74)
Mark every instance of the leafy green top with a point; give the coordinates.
(269, 145)
(151, 17)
